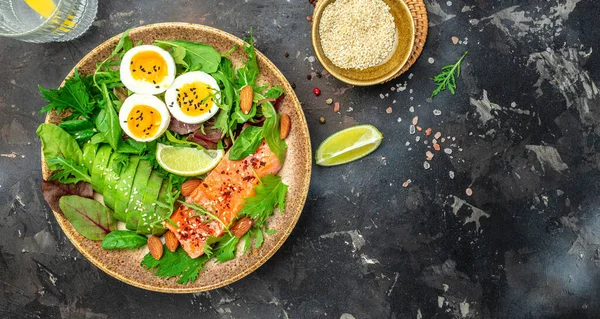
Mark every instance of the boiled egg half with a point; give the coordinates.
(192, 97)
(144, 117)
(147, 69)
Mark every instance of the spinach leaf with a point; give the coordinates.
(97, 138)
(131, 146)
(90, 218)
(68, 172)
(198, 56)
(83, 136)
(107, 121)
(123, 239)
(73, 95)
(246, 144)
(58, 143)
(73, 126)
(226, 103)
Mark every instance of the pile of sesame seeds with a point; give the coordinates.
(357, 34)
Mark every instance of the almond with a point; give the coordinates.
(246, 96)
(285, 126)
(241, 227)
(188, 187)
(171, 241)
(156, 247)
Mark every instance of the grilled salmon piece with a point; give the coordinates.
(222, 194)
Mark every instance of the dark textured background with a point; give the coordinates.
(525, 120)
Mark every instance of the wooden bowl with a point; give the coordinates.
(125, 265)
(405, 38)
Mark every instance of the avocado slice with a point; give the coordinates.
(122, 193)
(99, 165)
(111, 179)
(138, 189)
(161, 213)
(89, 153)
(149, 202)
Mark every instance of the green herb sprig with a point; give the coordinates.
(447, 77)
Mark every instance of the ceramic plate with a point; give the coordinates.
(125, 265)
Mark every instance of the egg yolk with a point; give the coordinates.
(143, 121)
(148, 66)
(195, 98)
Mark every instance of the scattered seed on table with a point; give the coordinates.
(417, 138)
(443, 139)
(322, 120)
(434, 141)
(411, 129)
(293, 84)
(469, 191)
(336, 107)
(455, 40)
(329, 101)
(309, 77)
(415, 120)
(428, 155)
(411, 109)
(309, 18)
(436, 147)
(393, 88)
(317, 91)
(388, 110)
(448, 150)
(399, 120)
(405, 184)
(451, 174)
(426, 165)
(428, 131)
(437, 112)
(286, 54)
(319, 75)
(419, 128)
(437, 135)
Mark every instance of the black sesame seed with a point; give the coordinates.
(153, 82)
(157, 87)
(130, 62)
(132, 70)
(137, 125)
(138, 111)
(149, 72)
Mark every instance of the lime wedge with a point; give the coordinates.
(348, 145)
(187, 161)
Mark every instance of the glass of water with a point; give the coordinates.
(46, 20)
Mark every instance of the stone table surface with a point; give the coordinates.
(503, 222)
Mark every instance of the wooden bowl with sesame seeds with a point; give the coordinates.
(359, 72)
(124, 265)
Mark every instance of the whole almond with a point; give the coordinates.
(188, 187)
(241, 227)
(285, 126)
(156, 247)
(171, 241)
(246, 96)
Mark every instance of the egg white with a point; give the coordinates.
(182, 80)
(143, 87)
(151, 101)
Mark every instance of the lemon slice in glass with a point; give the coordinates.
(348, 145)
(187, 161)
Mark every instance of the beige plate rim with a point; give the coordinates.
(294, 215)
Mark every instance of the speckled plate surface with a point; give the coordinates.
(125, 265)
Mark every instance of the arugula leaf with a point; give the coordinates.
(107, 121)
(246, 144)
(68, 172)
(171, 197)
(247, 74)
(270, 193)
(90, 218)
(58, 143)
(123, 239)
(176, 264)
(447, 79)
(271, 131)
(174, 140)
(202, 210)
(73, 95)
(198, 56)
(124, 45)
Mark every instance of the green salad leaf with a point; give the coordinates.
(68, 171)
(73, 95)
(247, 143)
(270, 193)
(176, 264)
(247, 74)
(271, 130)
(198, 56)
(123, 239)
(56, 142)
(107, 121)
(90, 218)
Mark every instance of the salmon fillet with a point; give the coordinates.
(222, 194)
